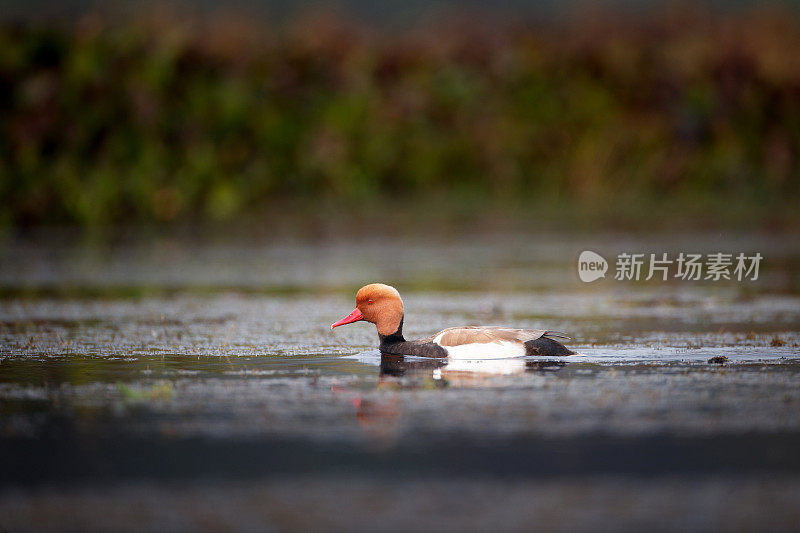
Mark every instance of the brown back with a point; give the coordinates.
(484, 335)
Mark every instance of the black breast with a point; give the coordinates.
(397, 345)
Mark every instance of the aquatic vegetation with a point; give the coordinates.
(160, 391)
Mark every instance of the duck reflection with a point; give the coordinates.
(379, 415)
(400, 366)
(457, 372)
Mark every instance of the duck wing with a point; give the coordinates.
(485, 335)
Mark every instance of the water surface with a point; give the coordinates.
(182, 366)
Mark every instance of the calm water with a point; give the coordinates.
(184, 383)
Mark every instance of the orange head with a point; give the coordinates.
(379, 304)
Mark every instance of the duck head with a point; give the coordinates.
(379, 304)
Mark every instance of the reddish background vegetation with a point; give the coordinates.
(163, 120)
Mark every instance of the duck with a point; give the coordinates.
(382, 305)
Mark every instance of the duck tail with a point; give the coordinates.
(557, 335)
(545, 346)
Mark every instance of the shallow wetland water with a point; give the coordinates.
(184, 384)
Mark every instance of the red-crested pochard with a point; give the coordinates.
(382, 305)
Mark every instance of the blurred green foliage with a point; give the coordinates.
(165, 121)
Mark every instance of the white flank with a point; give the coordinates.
(486, 350)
